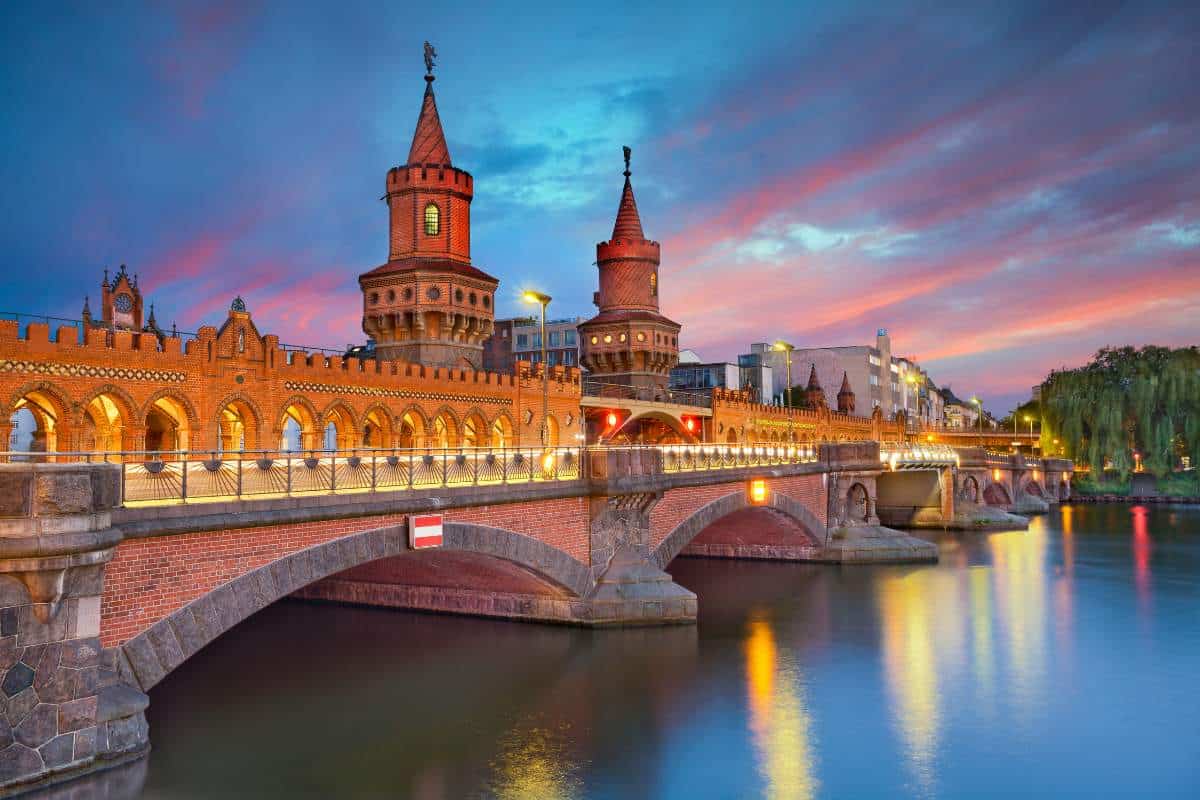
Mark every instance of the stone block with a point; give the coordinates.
(81, 652)
(39, 727)
(20, 706)
(6, 734)
(61, 493)
(8, 653)
(58, 751)
(8, 621)
(166, 646)
(87, 617)
(16, 491)
(188, 633)
(77, 714)
(281, 576)
(56, 685)
(119, 701)
(18, 761)
(85, 743)
(106, 488)
(18, 678)
(87, 682)
(144, 661)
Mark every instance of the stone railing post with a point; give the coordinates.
(55, 538)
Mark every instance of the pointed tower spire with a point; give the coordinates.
(87, 311)
(814, 395)
(845, 395)
(628, 224)
(813, 381)
(845, 383)
(429, 143)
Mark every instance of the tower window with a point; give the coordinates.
(654, 284)
(432, 225)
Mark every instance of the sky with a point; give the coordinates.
(1006, 187)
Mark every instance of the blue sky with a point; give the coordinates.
(1006, 188)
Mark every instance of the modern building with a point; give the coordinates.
(692, 374)
(520, 339)
(875, 377)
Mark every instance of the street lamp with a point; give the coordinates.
(787, 348)
(1029, 419)
(979, 403)
(542, 300)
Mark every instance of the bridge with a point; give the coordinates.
(116, 568)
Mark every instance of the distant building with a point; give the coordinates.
(695, 375)
(875, 377)
(520, 339)
(757, 375)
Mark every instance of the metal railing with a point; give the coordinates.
(702, 457)
(917, 456)
(149, 477)
(619, 391)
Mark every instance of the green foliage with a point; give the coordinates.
(1125, 400)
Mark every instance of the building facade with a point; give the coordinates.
(520, 339)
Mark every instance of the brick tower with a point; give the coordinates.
(629, 343)
(428, 304)
(814, 395)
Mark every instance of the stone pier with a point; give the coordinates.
(61, 712)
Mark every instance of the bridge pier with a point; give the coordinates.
(61, 712)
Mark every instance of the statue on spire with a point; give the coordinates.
(628, 152)
(430, 55)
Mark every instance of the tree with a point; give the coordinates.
(1124, 401)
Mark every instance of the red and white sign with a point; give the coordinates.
(425, 531)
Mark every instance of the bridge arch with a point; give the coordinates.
(995, 494)
(444, 431)
(377, 427)
(970, 489)
(338, 426)
(687, 530)
(238, 424)
(475, 429)
(502, 431)
(651, 427)
(298, 424)
(156, 652)
(412, 427)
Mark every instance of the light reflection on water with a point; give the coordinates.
(1058, 661)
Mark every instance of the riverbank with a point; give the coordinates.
(1135, 499)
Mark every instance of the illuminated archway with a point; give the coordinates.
(502, 432)
(731, 436)
(40, 416)
(237, 425)
(858, 503)
(168, 425)
(339, 427)
(551, 431)
(106, 424)
(377, 428)
(475, 431)
(413, 429)
(298, 425)
(445, 430)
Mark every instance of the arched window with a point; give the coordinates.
(654, 284)
(432, 225)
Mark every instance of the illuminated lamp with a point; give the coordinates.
(548, 462)
(611, 419)
(690, 424)
(996, 475)
(758, 492)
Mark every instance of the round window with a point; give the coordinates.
(641, 337)
(608, 338)
(433, 293)
(622, 337)
(594, 340)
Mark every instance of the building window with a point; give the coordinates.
(391, 295)
(569, 357)
(874, 360)
(537, 340)
(873, 380)
(432, 225)
(552, 339)
(569, 338)
(654, 284)
(522, 340)
(374, 298)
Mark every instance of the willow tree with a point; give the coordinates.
(1125, 401)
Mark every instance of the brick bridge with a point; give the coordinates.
(102, 596)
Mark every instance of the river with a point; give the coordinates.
(1059, 661)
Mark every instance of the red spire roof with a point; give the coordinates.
(629, 224)
(429, 143)
(813, 383)
(845, 384)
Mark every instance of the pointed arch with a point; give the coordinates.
(107, 421)
(377, 427)
(340, 426)
(169, 421)
(502, 431)
(475, 431)
(444, 432)
(237, 424)
(51, 410)
(412, 427)
(298, 428)
(552, 431)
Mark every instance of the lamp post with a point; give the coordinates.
(979, 404)
(542, 300)
(786, 348)
(1029, 419)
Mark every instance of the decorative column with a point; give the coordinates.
(58, 711)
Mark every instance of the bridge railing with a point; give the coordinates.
(149, 477)
(619, 391)
(701, 457)
(916, 456)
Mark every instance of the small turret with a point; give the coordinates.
(845, 396)
(814, 395)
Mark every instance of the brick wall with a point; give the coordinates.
(679, 504)
(149, 579)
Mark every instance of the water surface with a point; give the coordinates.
(1061, 661)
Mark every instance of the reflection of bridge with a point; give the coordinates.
(116, 574)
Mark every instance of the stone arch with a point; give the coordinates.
(858, 503)
(444, 430)
(995, 494)
(237, 424)
(687, 530)
(501, 429)
(475, 431)
(651, 427)
(180, 412)
(51, 411)
(412, 427)
(340, 416)
(298, 419)
(151, 655)
(1033, 488)
(970, 489)
(731, 436)
(107, 420)
(376, 427)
